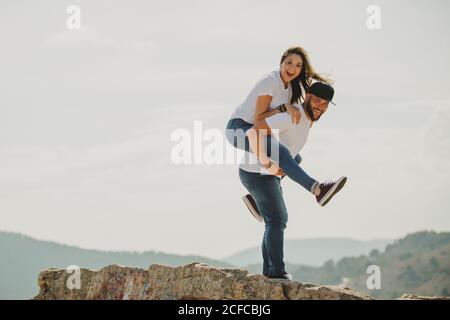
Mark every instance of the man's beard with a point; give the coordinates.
(310, 112)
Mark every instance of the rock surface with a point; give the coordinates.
(190, 282)
(407, 296)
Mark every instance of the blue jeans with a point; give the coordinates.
(235, 133)
(268, 195)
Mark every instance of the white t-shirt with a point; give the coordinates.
(292, 136)
(269, 85)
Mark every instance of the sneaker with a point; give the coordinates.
(284, 277)
(251, 205)
(329, 189)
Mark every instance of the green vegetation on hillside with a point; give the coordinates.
(418, 264)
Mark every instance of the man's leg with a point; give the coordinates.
(250, 202)
(266, 261)
(266, 191)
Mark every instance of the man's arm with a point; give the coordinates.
(256, 137)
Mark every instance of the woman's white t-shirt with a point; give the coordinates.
(269, 85)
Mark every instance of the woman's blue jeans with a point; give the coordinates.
(235, 133)
(268, 195)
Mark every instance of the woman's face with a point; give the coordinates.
(291, 67)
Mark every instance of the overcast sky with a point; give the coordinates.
(86, 118)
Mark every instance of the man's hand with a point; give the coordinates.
(281, 173)
(271, 167)
(275, 169)
(294, 112)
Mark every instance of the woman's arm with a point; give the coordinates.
(262, 108)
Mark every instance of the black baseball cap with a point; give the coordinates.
(323, 91)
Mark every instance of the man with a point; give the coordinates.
(266, 199)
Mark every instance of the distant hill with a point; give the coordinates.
(417, 264)
(312, 252)
(22, 258)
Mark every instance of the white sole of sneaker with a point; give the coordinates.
(252, 210)
(334, 189)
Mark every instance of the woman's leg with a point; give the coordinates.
(266, 190)
(236, 136)
(289, 165)
(298, 158)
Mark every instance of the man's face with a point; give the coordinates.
(319, 106)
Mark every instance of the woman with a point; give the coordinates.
(275, 93)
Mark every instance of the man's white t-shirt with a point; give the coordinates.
(269, 85)
(292, 136)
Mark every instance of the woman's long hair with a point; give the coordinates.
(307, 74)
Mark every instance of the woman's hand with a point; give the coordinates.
(294, 112)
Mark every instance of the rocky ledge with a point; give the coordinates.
(196, 281)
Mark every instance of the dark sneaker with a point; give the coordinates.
(329, 189)
(284, 277)
(251, 205)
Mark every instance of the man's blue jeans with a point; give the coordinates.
(235, 133)
(268, 195)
